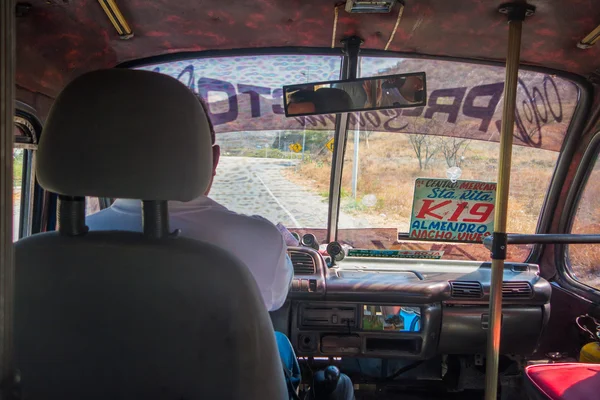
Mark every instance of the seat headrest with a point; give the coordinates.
(126, 134)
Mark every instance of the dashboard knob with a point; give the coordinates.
(310, 240)
(336, 251)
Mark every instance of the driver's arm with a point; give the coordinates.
(282, 278)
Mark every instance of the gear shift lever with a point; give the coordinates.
(325, 382)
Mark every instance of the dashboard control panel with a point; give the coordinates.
(336, 329)
(309, 272)
(377, 307)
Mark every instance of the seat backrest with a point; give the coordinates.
(124, 315)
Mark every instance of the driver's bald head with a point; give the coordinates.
(216, 149)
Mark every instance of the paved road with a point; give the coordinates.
(258, 186)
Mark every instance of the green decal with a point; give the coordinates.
(423, 254)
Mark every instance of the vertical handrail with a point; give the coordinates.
(516, 14)
(7, 112)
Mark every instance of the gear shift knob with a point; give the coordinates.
(332, 375)
(325, 382)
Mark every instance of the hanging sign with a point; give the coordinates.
(459, 211)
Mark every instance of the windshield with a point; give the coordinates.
(280, 168)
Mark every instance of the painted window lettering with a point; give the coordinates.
(529, 119)
(472, 104)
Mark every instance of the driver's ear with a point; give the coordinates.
(216, 149)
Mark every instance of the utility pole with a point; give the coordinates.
(355, 160)
(307, 75)
(356, 146)
(303, 142)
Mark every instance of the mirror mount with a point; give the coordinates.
(351, 50)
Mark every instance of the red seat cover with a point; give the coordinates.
(575, 381)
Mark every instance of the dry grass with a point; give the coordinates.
(16, 197)
(585, 258)
(388, 168)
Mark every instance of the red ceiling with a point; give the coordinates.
(60, 39)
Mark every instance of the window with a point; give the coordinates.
(18, 155)
(25, 144)
(280, 167)
(584, 259)
(459, 128)
(92, 205)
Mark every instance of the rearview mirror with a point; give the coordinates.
(377, 93)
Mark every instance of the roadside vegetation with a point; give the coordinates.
(389, 163)
(585, 258)
(17, 175)
(17, 167)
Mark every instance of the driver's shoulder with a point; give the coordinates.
(257, 223)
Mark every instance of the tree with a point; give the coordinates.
(366, 135)
(18, 155)
(425, 148)
(453, 149)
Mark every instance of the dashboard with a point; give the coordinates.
(378, 307)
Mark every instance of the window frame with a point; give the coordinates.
(565, 275)
(23, 200)
(565, 156)
(28, 143)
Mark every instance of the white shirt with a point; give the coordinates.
(252, 239)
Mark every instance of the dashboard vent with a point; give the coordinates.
(466, 290)
(303, 263)
(516, 290)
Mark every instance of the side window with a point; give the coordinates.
(18, 155)
(25, 133)
(92, 205)
(584, 259)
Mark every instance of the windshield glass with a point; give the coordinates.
(280, 168)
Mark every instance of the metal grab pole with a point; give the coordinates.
(516, 14)
(7, 270)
